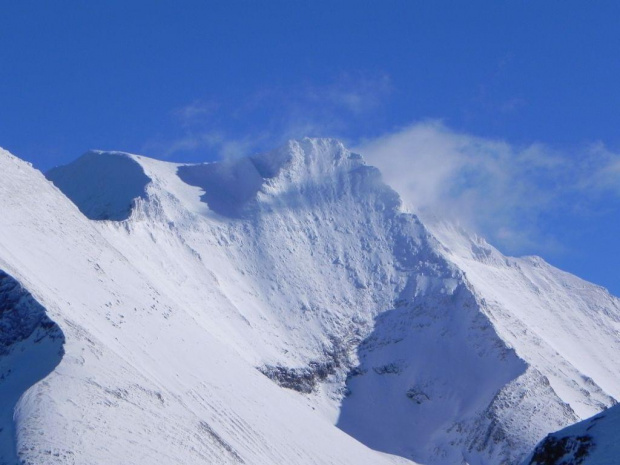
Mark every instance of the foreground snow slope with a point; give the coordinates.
(236, 311)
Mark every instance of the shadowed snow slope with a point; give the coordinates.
(30, 348)
(102, 185)
(237, 312)
(591, 442)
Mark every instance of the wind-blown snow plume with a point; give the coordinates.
(493, 187)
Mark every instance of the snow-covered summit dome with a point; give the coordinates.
(106, 185)
(103, 185)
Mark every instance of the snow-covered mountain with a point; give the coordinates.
(282, 308)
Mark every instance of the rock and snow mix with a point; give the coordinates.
(590, 442)
(282, 308)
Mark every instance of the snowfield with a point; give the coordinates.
(277, 309)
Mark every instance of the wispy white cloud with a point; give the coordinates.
(357, 94)
(195, 112)
(225, 129)
(500, 190)
(603, 170)
(215, 143)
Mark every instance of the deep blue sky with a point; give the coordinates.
(197, 80)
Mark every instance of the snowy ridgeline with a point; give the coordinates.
(282, 308)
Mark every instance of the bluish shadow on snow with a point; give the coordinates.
(231, 187)
(103, 185)
(31, 346)
(228, 186)
(432, 364)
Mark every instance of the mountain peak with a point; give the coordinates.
(294, 269)
(105, 185)
(306, 156)
(229, 186)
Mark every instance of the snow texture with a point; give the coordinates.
(285, 308)
(30, 348)
(102, 185)
(591, 442)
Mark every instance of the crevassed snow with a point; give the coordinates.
(299, 264)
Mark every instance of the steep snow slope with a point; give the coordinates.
(517, 349)
(97, 174)
(299, 264)
(30, 348)
(591, 442)
(553, 318)
(141, 380)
